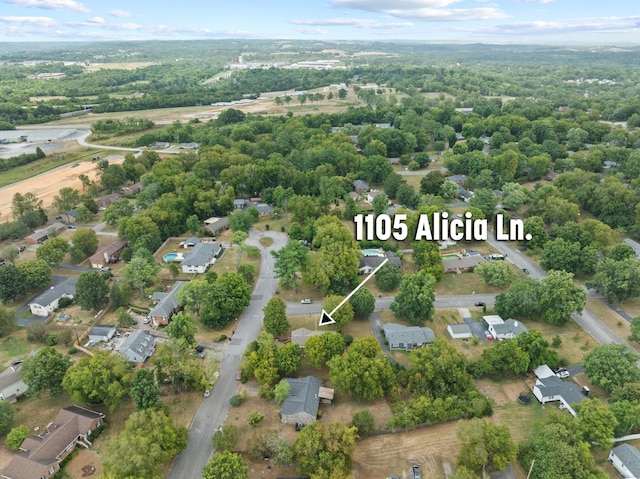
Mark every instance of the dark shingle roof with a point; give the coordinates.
(201, 254)
(399, 334)
(554, 386)
(55, 292)
(168, 301)
(303, 396)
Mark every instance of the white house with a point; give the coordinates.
(626, 459)
(201, 257)
(47, 302)
(11, 384)
(138, 346)
(102, 332)
(500, 329)
(549, 388)
(459, 331)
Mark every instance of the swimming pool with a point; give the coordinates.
(372, 252)
(172, 257)
(450, 256)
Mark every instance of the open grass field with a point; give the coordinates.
(118, 66)
(613, 320)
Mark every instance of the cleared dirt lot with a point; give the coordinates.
(46, 185)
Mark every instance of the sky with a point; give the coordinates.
(564, 22)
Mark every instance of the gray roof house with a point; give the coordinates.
(102, 332)
(626, 459)
(369, 263)
(508, 329)
(552, 388)
(47, 302)
(464, 263)
(300, 335)
(216, 225)
(406, 338)
(459, 331)
(190, 242)
(301, 405)
(634, 244)
(360, 186)
(201, 257)
(138, 346)
(11, 384)
(166, 304)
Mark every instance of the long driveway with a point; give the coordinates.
(213, 410)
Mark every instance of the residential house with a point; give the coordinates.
(509, 329)
(40, 455)
(161, 145)
(264, 209)
(215, 225)
(384, 126)
(47, 302)
(354, 196)
(300, 335)
(550, 388)
(70, 216)
(109, 254)
(132, 189)
(188, 146)
(138, 346)
(395, 161)
(406, 338)
(241, 204)
(360, 186)
(201, 257)
(634, 244)
(105, 201)
(626, 459)
(102, 332)
(301, 405)
(11, 384)
(371, 195)
(457, 179)
(552, 175)
(166, 304)
(462, 264)
(464, 194)
(609, 164)
(41, 235)
(459, 331)
(369, 263)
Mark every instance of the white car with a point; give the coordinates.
(207, 393)
(147, 320)
(306, 301)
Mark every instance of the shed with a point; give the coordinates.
(459, 331)
(11, 384)
(102, 332)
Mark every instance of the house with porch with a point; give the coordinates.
(201, 257)
(40, 455)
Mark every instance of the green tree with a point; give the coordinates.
(23, 204)
(240, 221)
(596, 423)
(325, 450)
(363, 303)
(484, 200)
(426, 257)
(364, 422)
(45, 371)
(144, 390)
(448, 190)
(149, 440)
(319, 349)
(388, 277)
(181, 328)
(117, 209)
(535, 226)
(611, 365)
(536, 347)
(117, 295)
(254, 418)
(247, 271)
(36, 272)
(275, 317)
(291, 260)
(380, 204)
(391, 184)
(484, 444)
(6, 417)
(225, 466)
(7, 321)
(66, 199)
(505, 358)
(225, 438)
(350, 208)
(626, 414)
(281, 391)
(414, 301)
(85, 243)
(16, 436)
(102, 378)
(91, 290)
(53, 250)
(225, 300)
(364, 371)
(521, 300)
(83, 214)
(288, 359)
(635, 329)
(617, 279)
(561, 255)
(431, 182)
(622, 252)
(560, 297)
(141, 232)
(495, 273)
(344, 315)
(140, 272)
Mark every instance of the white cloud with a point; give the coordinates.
(533, 1)
(423, 10)
(575, 25)
(52, 4)
(39, 21)
(351, 22)
(312, 31)
(99, 22)
(119, 13)
(203, 32)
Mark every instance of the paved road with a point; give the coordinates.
(589, 322)
(213, 410)
(100, 226)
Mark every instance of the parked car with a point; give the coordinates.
(299, 426)
(488, 335)
(480, 304)
(71, 227)
(207, 393)
(147, 320)
(306, 301)
(525, 271)
(562, 373)
(238, 375)
(416, 472)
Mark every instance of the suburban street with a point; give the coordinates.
(213, 410)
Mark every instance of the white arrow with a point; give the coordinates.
(326, 318)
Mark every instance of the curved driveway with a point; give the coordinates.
(213, 410)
